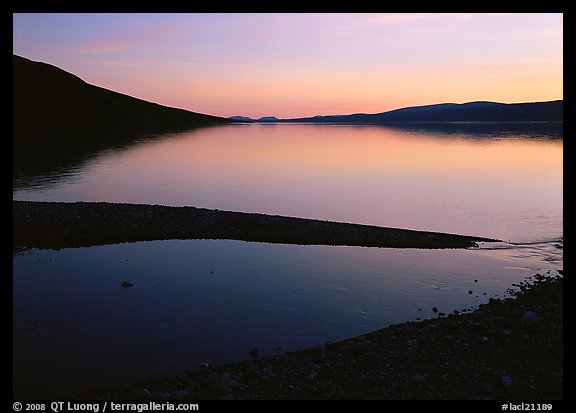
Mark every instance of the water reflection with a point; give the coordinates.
(499, 184)
(37, 161)
(530, 130)
(196, 301)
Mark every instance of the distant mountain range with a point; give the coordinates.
(262, 119)
(46, 98)
(444, 112)
(48, 101)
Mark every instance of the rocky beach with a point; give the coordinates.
(81, 224)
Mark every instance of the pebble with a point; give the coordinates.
(419, 378)
(366, 345)
(507, 381)
(142, 393)
(530, 317)
(31, 325)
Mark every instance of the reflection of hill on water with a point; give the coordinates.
(58, 119)
(535, 130)
(61, 151)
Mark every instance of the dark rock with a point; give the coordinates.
(530, 317)
(418, 378)
(142, 393)
(366, 344)
(435, 309)
(31, 325)
(126, 284)
(506, 380)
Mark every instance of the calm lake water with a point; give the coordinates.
(212, 301)
(505, 186)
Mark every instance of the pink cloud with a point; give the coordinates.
(130, 36)
(109, 45)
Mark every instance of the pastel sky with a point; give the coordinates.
(294, 65)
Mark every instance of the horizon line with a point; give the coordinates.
(398, 108)
(284, 118)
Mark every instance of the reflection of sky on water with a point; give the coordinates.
(507, 186)
(212, 301)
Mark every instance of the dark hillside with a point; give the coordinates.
(450, 112)
(58, 117)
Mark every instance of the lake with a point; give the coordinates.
(505, 186)
(200, 301)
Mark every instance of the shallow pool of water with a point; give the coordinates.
(197, 301)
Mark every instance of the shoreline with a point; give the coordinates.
(506, 349)
(81, 224)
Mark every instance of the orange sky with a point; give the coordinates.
(293, 65)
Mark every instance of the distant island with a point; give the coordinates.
(551, 111)
(262, 119)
